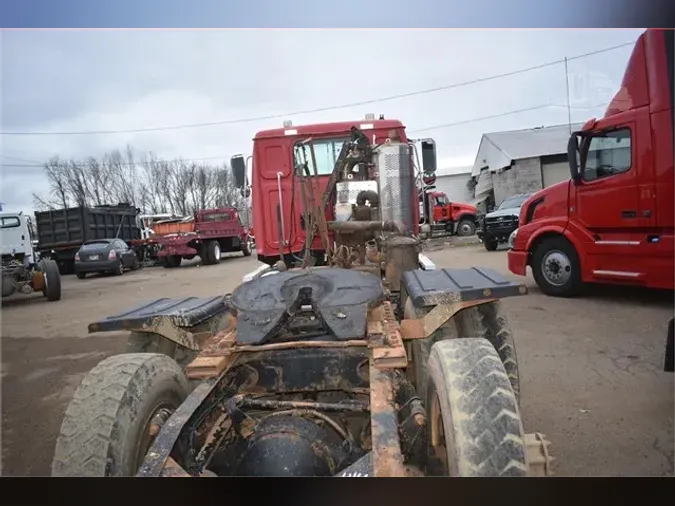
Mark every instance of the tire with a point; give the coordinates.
(81, 275)
(118, 269)
(52, 280)
(550, 261)
(466, 227)
(491, 245)
(483, 321)
(136, 265)
(469, 398)
(213, 252)
(246, 247)
(486, 321)
(171, 262)
(104, 430)
(147, 342)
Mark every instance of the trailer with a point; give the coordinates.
(209, 233)
(61, 232)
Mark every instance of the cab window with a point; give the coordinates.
(326, 152)
(9, 222)
(609, 153)
(441, 201)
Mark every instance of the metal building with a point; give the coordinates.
(453, 182)
(520, 161)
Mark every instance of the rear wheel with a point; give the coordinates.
(482, 321)
(474, 422)
(52, 280)
(246, 247)
(490, 245)
(556, 268)
(106, 430)
(118, 270)
(213, 252)
(466, 228)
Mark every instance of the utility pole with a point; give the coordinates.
(569, 108)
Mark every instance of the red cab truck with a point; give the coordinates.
(277, 161)
(211, 232)
(612, 222)
(456, 218)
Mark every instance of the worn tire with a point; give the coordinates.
(52, 280)
(148, 342)
(466, 228)
(574, 284)
(483, 321)
(469, 390)
(487, 322)
(118, 270)
(246, 247)
(103, 425)
(491, 245)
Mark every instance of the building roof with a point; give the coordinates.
(499, 149)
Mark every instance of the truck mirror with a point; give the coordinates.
(572, 156)
(428, 156)
(238, 164)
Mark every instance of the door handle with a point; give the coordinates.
(628, 214)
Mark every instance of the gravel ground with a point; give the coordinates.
(591, 368)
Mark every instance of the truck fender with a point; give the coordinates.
(466, 215)
(551, 230)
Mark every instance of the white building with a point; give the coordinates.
(453, 181)
(520, 161)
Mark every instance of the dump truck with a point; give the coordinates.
(61, 232)
(374, 364)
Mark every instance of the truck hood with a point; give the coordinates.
(512, 211)
(554, 200)
(457, 206)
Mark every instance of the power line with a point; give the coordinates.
(416, 130)
(328, 108)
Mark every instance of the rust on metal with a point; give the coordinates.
(386, 444)
(423, 327)
(299, 344)
(352, 406)
(384, 339)
(173, 470)
(38, 282)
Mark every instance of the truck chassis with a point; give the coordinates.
(283, 365)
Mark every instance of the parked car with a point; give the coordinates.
(495, 228)
(105, 255)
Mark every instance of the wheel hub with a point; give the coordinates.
(556, 267)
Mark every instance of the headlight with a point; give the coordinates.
(512, 238)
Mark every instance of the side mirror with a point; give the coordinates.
(573, 156)
(238, 164)
(428, 156)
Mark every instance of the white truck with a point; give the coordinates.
(22, 272)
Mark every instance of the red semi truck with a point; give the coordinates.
(456, 218)
(281, 155)
(612, 222)
(211, 232)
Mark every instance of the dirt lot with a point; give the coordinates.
(590, 367)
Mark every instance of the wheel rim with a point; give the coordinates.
(465, 228)
(120, 269)
(556, 267)
(216, 252)
(437, 442)
(151, 429)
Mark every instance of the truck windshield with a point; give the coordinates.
(326, 152)
(441, 200)
(513, 202)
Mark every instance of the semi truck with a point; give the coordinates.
(282, 160)
(446, 216)
(612, 221)
(61, 232)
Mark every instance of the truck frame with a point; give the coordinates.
(376, 364)
(214, 231)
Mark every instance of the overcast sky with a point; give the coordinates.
(58, 81)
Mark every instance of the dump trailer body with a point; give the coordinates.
(61, 232)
